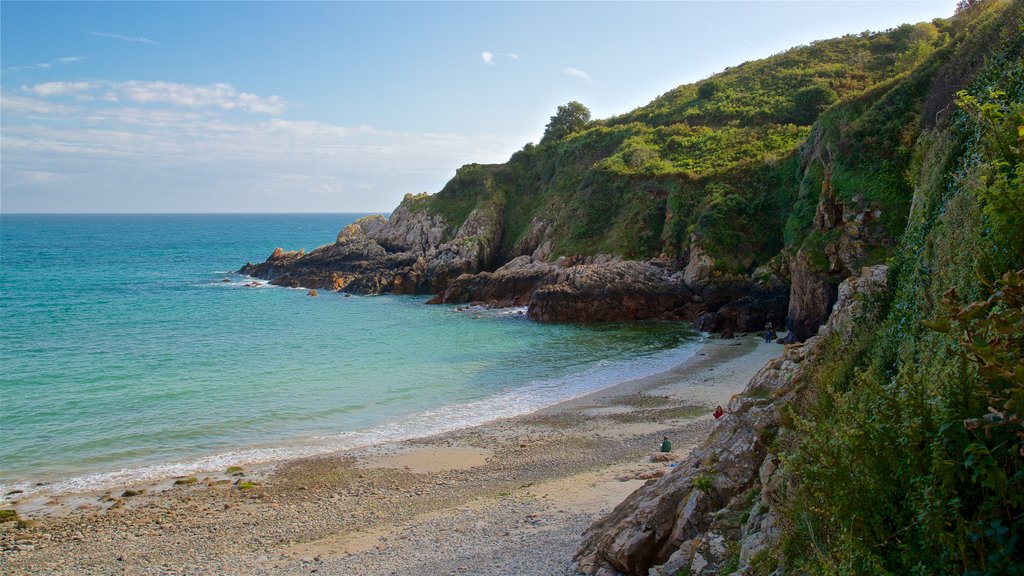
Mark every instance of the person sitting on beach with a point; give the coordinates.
(666, 444)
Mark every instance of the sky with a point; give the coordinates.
(342, 106)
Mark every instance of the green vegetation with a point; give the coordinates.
(730, 163)
(905, 452)
(246, 485)
(186, 481)
(234, 470)
(569, 119)
(703, 483)
(8, 516)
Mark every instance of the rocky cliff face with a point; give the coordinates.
(848, 231)
(716, 510)
(407, 254)
(416, 252)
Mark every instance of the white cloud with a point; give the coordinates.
(24, 106)
(487, 57)
(160, 155)
(223, 96)
(48, 65)
(48, 89)
(510, 55)
(577, 73)
(138, 39)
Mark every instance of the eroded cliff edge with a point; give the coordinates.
(717, 512)
(416, 252)
(737, 200)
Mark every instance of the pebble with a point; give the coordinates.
(215, 530)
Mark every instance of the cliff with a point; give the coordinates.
(892, 440)
(738, 200)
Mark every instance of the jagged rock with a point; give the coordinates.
(510, 285)
(411, 231)
(811, 297)
(415, 252)
(655, 521)
(815, 272)
(675, 524)
(749, 313)
(404, 255)
(849, 296)
(699, 267)
(362, 228)
(612, 291)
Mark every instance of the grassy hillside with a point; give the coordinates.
(905, 455)
(722, 162)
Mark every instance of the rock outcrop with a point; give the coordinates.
(718, 506)
(854, 228)
(416, 252)
(408, 254)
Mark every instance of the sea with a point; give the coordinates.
(131, 350)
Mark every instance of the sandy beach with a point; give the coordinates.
(507, 497)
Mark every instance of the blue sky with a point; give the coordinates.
(341, 106)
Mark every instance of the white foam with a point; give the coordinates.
(510, 403)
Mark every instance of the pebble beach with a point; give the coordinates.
(507, 497)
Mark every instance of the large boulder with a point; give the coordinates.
(616, 290)
(511, 285)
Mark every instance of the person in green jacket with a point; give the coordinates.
(666, 444)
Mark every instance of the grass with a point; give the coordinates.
(726, 163)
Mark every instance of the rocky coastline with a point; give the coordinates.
(415, 252)
(718, 511)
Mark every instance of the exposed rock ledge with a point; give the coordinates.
(417, 253)
(681, 522)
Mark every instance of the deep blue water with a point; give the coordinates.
(124, 355)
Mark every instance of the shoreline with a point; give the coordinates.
(30, 497)
(540, 475)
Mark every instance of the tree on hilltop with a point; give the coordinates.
(569, 118)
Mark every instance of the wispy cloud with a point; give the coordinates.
(122, 37)
(577, 73)
(208, 160)
(48, 89)
(48, 65)
(489, 59)
(222, 96)
(30, 107)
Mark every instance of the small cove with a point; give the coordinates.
(125, 356)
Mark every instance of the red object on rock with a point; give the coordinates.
(718, 412)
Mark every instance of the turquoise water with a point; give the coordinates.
(125, 356)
